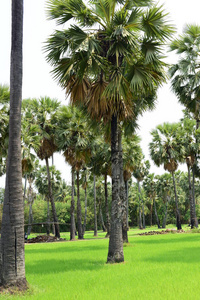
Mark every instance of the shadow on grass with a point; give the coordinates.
(62, 266)
(64, 248)
(168, 239)
(183, 255)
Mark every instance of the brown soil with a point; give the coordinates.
(44, 239)
(162, 232)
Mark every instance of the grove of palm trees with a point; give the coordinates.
(111, 60)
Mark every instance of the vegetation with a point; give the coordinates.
(150, 259)
(111, 65)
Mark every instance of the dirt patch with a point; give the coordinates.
(44, 239)
(162, 232)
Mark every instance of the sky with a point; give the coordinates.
(38, 81)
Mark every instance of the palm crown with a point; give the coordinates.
(111, 56)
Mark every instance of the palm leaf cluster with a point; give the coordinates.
(111, 57)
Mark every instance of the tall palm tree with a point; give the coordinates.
(149, 186)
(164, 150)
(12, 264)
(185, 76)
(163, 190)
(73, 138)
(110, 58)
(186, 138)
(44, 115)
(132, 155)
(140, 172)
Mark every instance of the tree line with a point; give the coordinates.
(110, 62)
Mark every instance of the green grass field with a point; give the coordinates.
(156, 267)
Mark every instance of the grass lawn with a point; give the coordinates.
(156, 267)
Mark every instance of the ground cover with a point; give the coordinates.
(156, 267)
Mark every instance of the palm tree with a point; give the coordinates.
(149, 186)
(42, 184)
(12, 264)
(73, 138)
(110, 58)
(164, 150)
(185, 76)
(186, 138)
(132, 155)
(163, 190)
(140, 172)
(44, 115)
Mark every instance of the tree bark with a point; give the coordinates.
(126, 192)
(151, 210)
(107, 208)
(122, 192)
(95, 209)
(85, 217)
(79, 215)
(115, 251)
(30, 200)
(178, 219)
(48, 229)
(72, 211)
(55, 218)
(140, 217)
(165, 217)
(101, 217)
(25, 187)
(192, 204)
(156, 214)
(12, 271)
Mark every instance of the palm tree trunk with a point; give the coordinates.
(72, 211)
(140, 217)
(122, 192)
(101, 217)
(55, 218)
(193, 197)
(25, 187)
(151, 213)
(115, 251)
(156, 214)
(165, 217)
(85, 217)
(79, 216)
(48, 218)
(126, 191)
(12, 271)
(107, 208)
(30, 217)
(192, 204)
(178, 219)
(95, 208)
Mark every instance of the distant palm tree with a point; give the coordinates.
(12, 263)
(186, 138)
(164, 150)
(73, 138)
(185, 77)
(149, 186)
(132, 155)
(44, 115)
(110, 61)
(164, 189)
(140, 172)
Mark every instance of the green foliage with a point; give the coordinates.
(163, 260)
